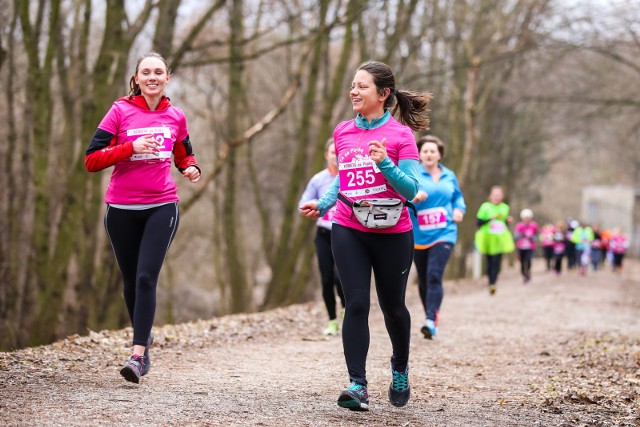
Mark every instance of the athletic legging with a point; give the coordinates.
(390, 255)
(430, 264)
(525, 256)
(328, 273)
(548, 255)
(140, 240)
(493, 267)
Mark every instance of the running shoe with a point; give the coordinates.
(132, 370)
(147, 358)
(355, 397)
(332, 328)
(399, 390)
(429, 329)
(492, 289)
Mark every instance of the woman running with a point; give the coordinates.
(546, 241)
(440, 206)
(493, 237)
(316, 187)
(378, 169)
(138, 136)
(526, 234)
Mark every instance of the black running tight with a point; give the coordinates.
(390, 256)
(328, 274)
(493, 267)
(140, 240)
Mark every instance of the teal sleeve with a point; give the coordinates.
(402, 177)
(330, 196)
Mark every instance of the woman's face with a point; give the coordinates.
(330, 155)
(364, 95)
(152, 76)
(496, 196)
(429, 154)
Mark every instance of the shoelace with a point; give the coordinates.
(400, 381)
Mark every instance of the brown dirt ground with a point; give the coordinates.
(561, 351)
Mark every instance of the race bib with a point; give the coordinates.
(432, 218)
(162, 135)
(496, 227)
(361, 177)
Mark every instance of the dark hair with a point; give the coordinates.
(413, 106)
(134, 88)
(434, 139)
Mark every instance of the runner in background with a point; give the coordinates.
(526, 234)
(440, 206)
(581, 237)
(559, 246)
(618, 246)
(546, 241)
(316, 187)
(570, 246)
(493, 237)
(377, 159)
(596, 248)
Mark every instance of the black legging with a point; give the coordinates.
(493, 267)
(328, 273)
(558, 262)
(390, 256)
(525, 256)
(548, 255)
(140, 240)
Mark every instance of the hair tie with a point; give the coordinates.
(395, 91)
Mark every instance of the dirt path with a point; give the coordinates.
(559, 351)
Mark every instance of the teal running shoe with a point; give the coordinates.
(355, 397)
(399, 390)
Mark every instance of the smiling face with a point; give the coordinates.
(364, 95)
(496, 196)
(429, 154)
(152, 77)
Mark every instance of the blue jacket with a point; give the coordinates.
(436, 223)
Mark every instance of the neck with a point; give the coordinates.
(152, 101)
(333, 170)
(375, 115)
(432, 169)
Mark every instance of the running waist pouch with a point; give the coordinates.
(376, 213)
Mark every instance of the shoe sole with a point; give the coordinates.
(426, 332)
(347, 401)
(129, 375)
(353, 405)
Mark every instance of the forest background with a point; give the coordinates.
(537, 95)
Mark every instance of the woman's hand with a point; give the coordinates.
(421, 196)
(458, 215)
(310, 210)
(146, 144)
(378, 150)
(191, 173)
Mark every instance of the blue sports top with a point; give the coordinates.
(436, 213)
